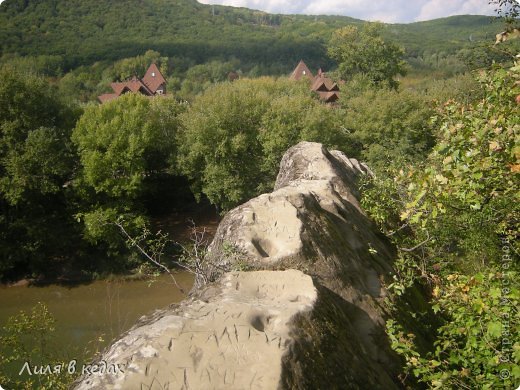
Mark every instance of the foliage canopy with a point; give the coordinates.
(36, 160)
(365, 51)
(234, 135)
(121, 145)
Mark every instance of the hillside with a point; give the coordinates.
(85, 32)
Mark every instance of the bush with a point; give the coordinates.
(455, 220)
(27, 340)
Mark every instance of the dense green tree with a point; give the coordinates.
(122, 146)
(299, 117)
(219, 150)
(200, 77)
(457, 229)
(398, 130)
(85, 83)
(235, 134)
(366, 51)
(44, 65)
(36, 162)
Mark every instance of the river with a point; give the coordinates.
(89, 316)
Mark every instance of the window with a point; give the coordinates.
(153, 74)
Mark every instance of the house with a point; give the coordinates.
(301, 71)
(152, 84)
(327, 89)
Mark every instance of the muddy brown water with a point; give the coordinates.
(91, 315)
(100, 309)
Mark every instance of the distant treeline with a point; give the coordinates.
(82, 33)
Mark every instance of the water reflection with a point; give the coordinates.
(89, 316)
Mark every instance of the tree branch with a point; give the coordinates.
(418, 245)
(135, 243)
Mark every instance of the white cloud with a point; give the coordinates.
(391, 11)
(440, 8)
(386, 11)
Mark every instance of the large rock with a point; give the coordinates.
(313, 222)
(310, 315)
(233, 335)
(312, 215)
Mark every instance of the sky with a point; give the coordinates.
(389, 11)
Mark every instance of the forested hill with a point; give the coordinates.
(87, 31)
(82, 32)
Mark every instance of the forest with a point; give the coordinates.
(442, 139)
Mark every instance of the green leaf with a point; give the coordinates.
(494, 329)
(494, 292)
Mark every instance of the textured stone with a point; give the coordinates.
(310, 315)
(234, 340)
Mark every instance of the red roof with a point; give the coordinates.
(301, 71)
(323, 83)
(327, 89)
(328, 97)
(153, 78)
(148, 85)
(117, 87)
(107, 96)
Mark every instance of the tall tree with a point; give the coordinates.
(234, 135)
(365, 51)
(36, 160)
(122, 144)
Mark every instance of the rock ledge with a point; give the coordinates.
(309, 316)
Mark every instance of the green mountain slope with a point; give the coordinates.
(84, 32)
(446, 34)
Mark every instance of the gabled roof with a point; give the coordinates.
(328, 97)
(326, 89)
(148, 85)
(134, 85)
(153, 78)
(301, 71)
(319, 85)
(118, 87)
(323, 83)
(107, 97)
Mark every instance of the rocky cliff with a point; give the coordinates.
(295, 298)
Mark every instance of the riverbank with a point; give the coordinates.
(178, 224)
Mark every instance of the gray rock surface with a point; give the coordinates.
(233, 339)
(308, 315)
(313, 222)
